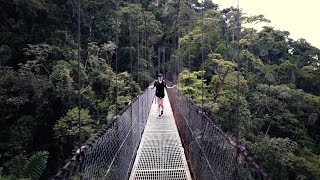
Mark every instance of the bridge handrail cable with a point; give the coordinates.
(120, 130)
(199, 128)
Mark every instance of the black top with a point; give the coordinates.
(159, 88)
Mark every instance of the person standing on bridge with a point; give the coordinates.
(160, 84)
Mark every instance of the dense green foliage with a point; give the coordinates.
(279, 89)
(279, 80)
(38, 76)
(22, 168)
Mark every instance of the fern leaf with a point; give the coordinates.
(16, 165)
(36, 165)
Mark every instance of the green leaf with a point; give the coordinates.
(36, 165)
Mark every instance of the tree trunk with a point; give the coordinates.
(220, 86)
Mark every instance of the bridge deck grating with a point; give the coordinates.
(160, 154)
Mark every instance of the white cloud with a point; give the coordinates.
(302, 19)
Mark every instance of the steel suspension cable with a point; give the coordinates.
(138, 58)
(176, 41)
(79, 73)
(138, 46)
(131, 89)
(189, 43)
(189, 56)
(130, 37)
(130, 52)
(142, 56)
(146, 46)
(117, 47)
(202, 54)
(189, 40)
(177, 46)
(238, 85)
(145, 59)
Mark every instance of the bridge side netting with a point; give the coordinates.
(211, 154)
(111, 153)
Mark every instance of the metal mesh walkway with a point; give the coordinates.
(211, 153)
(160, 154)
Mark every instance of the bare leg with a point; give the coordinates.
(160, 105)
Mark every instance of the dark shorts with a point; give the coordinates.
(160, 95)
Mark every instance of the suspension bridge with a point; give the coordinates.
(183, 144)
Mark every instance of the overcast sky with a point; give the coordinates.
(300, 18)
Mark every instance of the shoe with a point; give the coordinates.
(161, 112)
(159, 115)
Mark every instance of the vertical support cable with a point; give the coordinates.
(117, 44)
(175, 69)
(189, 59)
(130, 39)
(142, 68)
(159, 59)
(238, 85)
(138, 52)
(131, 74)
(177, 40)
(146, 49)
(202, 54)
(79, 75)
(163, 61)
(138, 62)
(189, 42)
